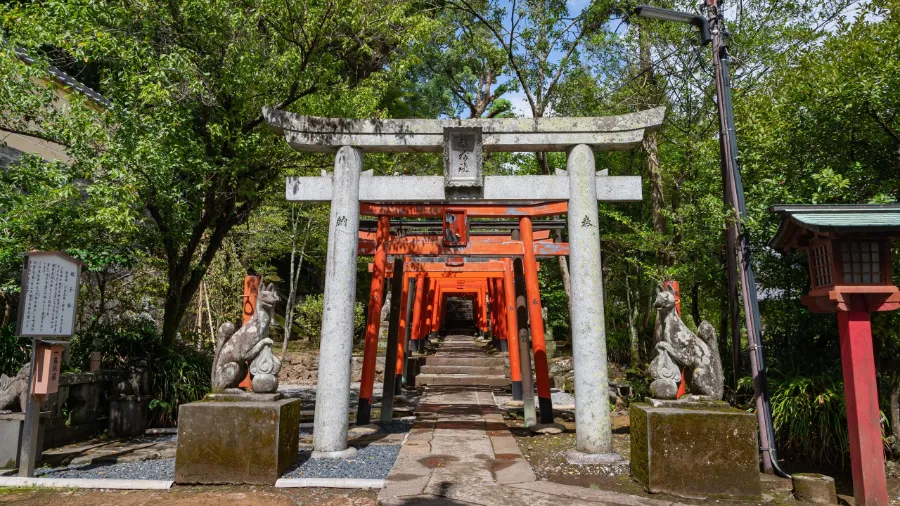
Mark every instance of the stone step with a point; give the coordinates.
(464, 369)
(462, 380)
(470, 361)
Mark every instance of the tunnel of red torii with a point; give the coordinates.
(490, 256)
(575, 192)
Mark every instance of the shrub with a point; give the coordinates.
(177, 375)
(14, 352)
(309, 318)
(809, 415)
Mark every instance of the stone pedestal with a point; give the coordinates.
(128, 415)
(11, 438)
(236, 442)
(695, 450)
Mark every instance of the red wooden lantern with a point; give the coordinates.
(843, 265)
(849, 253)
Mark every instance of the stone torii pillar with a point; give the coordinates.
(463, 142)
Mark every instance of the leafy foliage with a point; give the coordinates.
(177, 375)
(13, 352)
(309, 318)
(810, 418)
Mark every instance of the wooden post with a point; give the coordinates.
(390, 373)
(418, 310)
(863, 416)
(524, 345)
(536, 320)
(407, 335)
(482, 310)
(404, 318)
(376, 300)
(509, 299)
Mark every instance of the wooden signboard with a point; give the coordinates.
(49, 295)
(48, 360)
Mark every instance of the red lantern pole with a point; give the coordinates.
(863, 415)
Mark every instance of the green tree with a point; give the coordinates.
(185, 142)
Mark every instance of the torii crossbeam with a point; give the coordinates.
(463, 142)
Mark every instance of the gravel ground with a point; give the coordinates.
(160, 469)
(558, 397)
(307, 394)
(392, 427)
(372, 462)
(147, 439)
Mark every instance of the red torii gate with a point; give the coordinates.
(457, 275)
(455, 241)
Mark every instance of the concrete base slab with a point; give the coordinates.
(329, 483)
(15, 481)
(236, 442)
(363, 430)
(589, 494)
(581, 458)
(547, 428)
(348, 453)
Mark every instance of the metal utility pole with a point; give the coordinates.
(734, 196)
(737, 244)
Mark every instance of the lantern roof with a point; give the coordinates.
(799, 223)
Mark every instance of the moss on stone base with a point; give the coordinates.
(236, 442)
(695, 452)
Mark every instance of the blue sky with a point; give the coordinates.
(518, 98)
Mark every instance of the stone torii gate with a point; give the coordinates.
(462, 142)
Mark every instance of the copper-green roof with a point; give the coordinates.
(835, 218)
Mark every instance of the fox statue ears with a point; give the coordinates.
(669, 289)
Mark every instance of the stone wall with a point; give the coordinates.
(80, 408)
(303, 369)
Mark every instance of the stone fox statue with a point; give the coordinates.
(235, 349)
(679, 347)
(13, 388)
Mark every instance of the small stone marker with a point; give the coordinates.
(814, 488)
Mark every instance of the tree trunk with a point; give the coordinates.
(895, 411)
(184, 277)
(657, 199)
(695, 304)
(633, 313)
(293, 281)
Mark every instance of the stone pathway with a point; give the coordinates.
(460, 452)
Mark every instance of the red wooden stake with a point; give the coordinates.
(863, 416)
(251, 290)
